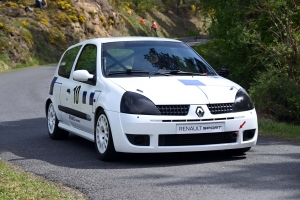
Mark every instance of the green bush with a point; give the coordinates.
(276, 95)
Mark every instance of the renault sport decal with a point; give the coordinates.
(192, 82)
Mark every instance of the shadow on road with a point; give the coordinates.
(33, 142)
(27, 140)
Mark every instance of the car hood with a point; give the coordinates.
(181, 89)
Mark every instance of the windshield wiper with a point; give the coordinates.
(179, 72)
(129, 71)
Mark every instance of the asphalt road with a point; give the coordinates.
(270, 170)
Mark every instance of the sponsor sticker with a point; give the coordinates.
(192, 82)
(74, 119)
(200, 128)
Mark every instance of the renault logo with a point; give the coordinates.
(200, 111)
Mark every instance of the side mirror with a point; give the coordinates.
(224, 72)
(82, 75)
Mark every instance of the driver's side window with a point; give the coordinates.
(88, 59)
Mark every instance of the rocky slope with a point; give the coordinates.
(39, 37)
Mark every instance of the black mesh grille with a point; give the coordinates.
(196, 139)
(220, 108)
(176, 110)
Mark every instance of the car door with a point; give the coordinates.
(64, 72)
(84, 93)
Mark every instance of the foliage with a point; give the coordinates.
(74, 18)
(179, 6)
(276, 95)
(185, 7)
(92, 13)
(280, 130)
(139, 5)
(192, 33)
(226, 48)
(25, 23)
(259, 41)
(11, 4)
(62, 19)
(251, 36)
(57, 37)
(111, 21)
(23, 37)
(81, 18)
(276, 36)
(27, 36)
(103, 20)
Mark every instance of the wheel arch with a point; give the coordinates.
(98, 109)
(48, 101)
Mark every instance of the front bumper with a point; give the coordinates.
(157, 126)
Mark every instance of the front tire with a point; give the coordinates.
(103, 138)
(54, 131)
(238, 152)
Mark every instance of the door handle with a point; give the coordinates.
(68, 91)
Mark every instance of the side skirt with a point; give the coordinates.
(75, 113)
(78, 132)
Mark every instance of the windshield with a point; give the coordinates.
(144, 58)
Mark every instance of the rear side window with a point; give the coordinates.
(66, 64)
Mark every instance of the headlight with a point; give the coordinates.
(134, 103)
(242, 101)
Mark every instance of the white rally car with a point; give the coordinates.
(147, 95)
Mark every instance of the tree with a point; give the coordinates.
(227, 49)
(275, 32)
(259, 41)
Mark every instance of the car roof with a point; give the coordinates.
(123, 39)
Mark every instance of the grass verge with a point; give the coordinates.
(15, 184)
(279, 130)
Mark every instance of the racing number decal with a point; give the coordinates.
(76, 94)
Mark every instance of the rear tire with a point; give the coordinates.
(54, 131)
(103, 138)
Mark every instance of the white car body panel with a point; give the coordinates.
(195, 91)
(162, 90)
(153, 126)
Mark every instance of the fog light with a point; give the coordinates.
(139, 140)
(234, 134)
(248, 134)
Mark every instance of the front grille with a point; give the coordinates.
(220, 108)
(196, 139)
(175, 110)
